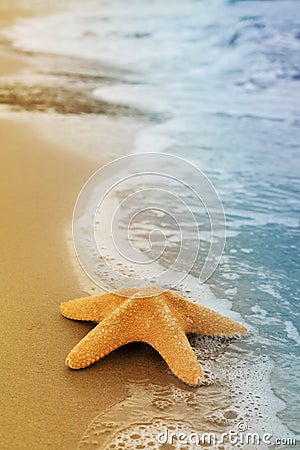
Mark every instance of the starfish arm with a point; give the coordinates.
(165, 335)
(205, 321)
(113, 332)
(201, 320)
(93, 308)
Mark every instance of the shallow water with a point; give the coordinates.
(225, 75)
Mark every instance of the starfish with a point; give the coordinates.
(151, 315)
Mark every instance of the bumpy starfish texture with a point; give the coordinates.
(151, 315)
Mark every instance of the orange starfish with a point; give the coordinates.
(151, 315)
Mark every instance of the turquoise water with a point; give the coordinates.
(225, 75)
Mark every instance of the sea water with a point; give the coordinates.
(224, 78)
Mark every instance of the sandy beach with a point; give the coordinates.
(43, 403)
